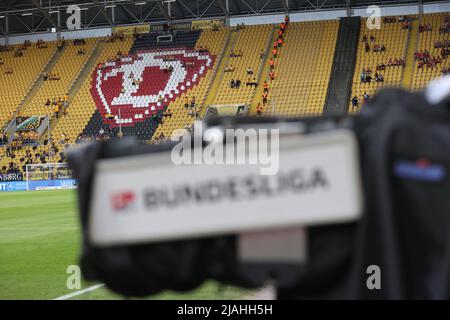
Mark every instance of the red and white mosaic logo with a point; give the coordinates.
(142, 84)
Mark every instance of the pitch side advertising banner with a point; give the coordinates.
(174, 26)
(38, 185)
(207, 24)
(140, 29)
(4, 177)
(317, 183)
(13, 186)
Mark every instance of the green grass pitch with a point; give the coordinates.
(39, 239)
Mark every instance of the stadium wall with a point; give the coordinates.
(336, 14)
(52, 36)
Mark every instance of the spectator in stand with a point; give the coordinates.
(280, 42)
(229, 68)
(249, 71)
(355, 103)
(56, 110)
(363, 76)
(259, 109)
(274, 52)
(379, 77)
(366, 97)
(266, 86)
(272, 75)
(261, 54)
(264, 98)
(280, 34)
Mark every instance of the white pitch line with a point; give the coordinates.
(77, 293)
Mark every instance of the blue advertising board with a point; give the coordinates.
(38, 185)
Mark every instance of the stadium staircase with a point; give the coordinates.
(264, 72)
(413, 40)
(341, 76)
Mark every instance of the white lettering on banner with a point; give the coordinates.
(318, 183)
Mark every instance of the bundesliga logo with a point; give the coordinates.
(122, 200)
(136, 87)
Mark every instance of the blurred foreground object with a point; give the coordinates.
(397, 247)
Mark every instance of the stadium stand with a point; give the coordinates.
(18, 73)
(435, 42)
(66, 69)
(303, 69)
(391, 40)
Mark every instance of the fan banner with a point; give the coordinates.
(139, 86)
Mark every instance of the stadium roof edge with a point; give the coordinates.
(40, 16)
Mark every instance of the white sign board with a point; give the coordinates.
(147, 198)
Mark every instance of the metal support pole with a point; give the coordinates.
(7, 30)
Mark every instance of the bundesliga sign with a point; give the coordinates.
(134, 202)
(136, 87)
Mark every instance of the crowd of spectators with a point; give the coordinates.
(400, 62)
(367, 77)
(355, 100)
(369, 44)
(59, 106)
(425, 27)
(425, 59)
